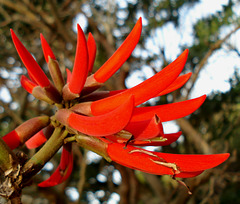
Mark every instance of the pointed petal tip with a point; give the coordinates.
(79, 28)
(120, 55)
(47, 51)
(186, 51)
(30, 63)
(12, 32)
(63, 170)
(224, 156)
(80, 67)
(27, 84)
(92, 49)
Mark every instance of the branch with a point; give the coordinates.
(194, 137)
(83, 167)
(35, 164)
(26, 14)
(61, 29)
(11, 113)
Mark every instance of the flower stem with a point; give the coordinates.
(50, 148)
(94, 144)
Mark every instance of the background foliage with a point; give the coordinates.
(214, 128)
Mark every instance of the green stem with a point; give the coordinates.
(6, 157)
(35, 164)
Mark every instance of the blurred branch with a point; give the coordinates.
(25, 14)
(82, 174)
(156, 186)
(11, 113)
(194, 136)
(124, 187)
(61, 28)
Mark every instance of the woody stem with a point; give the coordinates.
(35, 164)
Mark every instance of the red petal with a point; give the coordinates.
(112, 93)
(39, 138)
(12, 139)
(63, 171)
(80, 68)
(92, 49)
(144, 91)
(145, 129)
(162, 163)
(121, 54)
(36, 140)
(26, 130)
(106, 124)
(27, 84)
(179, 82)
(172, 137)
(168, 112)
(47, 51)
(32, 66)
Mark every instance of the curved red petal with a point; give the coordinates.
(162, 163)
(121, 54)
(47, 51)
(32, 66)
(169, 139)
(92, 49)
(145, 129)
(27, 84)
(144, 91)
(106, 124)
(62, 172)
(168, 112)
(179, 82)
(80, 68)
(164, 140)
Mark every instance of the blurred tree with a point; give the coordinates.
(212, 129)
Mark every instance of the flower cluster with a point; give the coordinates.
(111, 123)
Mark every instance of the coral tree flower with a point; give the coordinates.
(109, 122)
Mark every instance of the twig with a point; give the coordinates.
(83, 167)
(199, 143)
(11, 113)
(61, 29)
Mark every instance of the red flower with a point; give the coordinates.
(109, 122)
